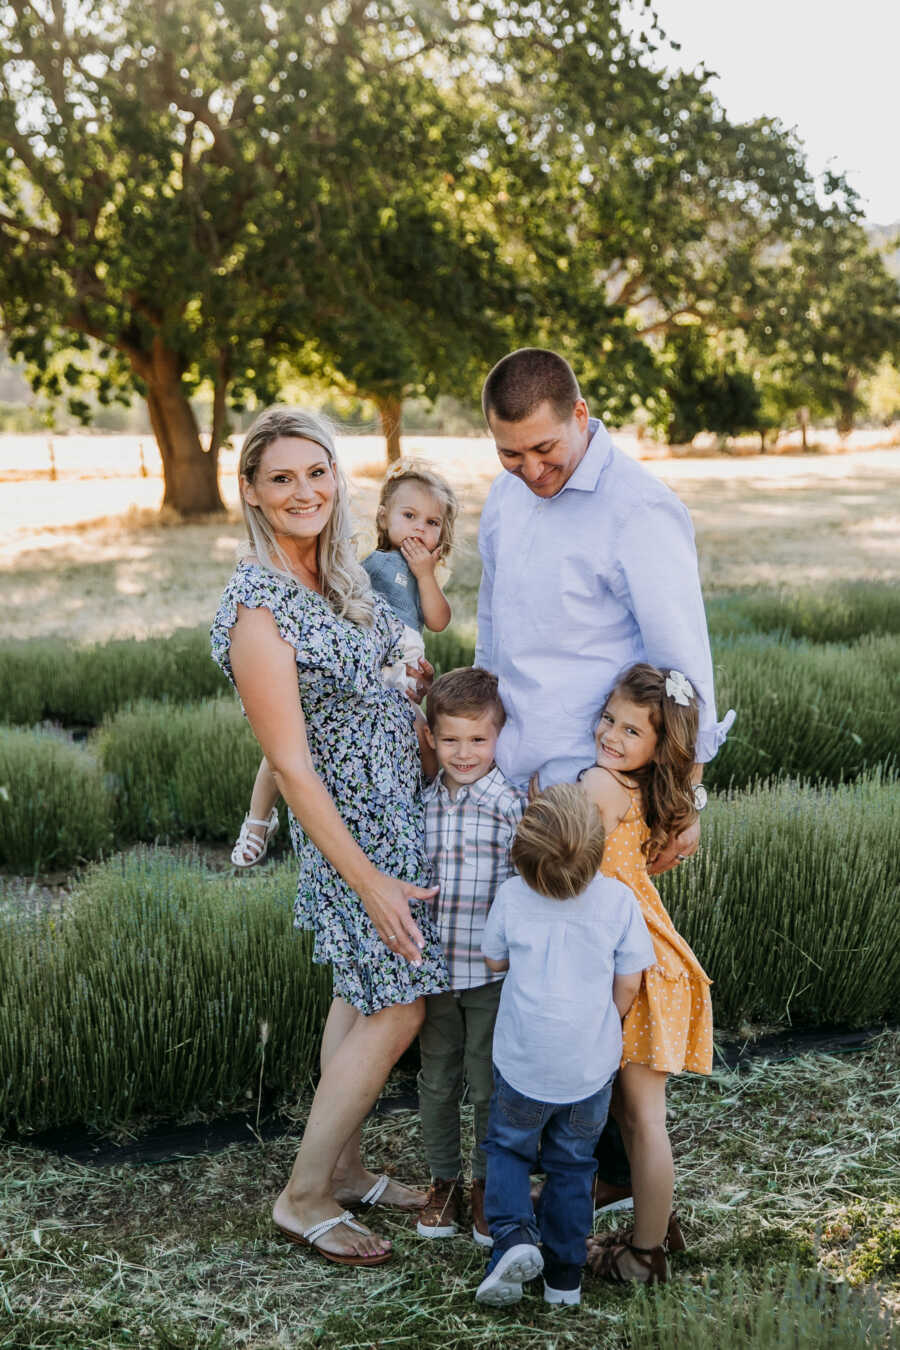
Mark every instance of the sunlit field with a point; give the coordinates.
(88, 558)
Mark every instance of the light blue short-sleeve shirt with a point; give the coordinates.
(558, 1036)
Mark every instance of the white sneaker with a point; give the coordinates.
(504, 1284)
(571, 1296)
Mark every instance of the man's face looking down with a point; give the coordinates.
(543, 449)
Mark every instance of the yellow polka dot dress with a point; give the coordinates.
(669, 1025)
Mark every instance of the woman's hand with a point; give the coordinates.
(679, 848)
(386, 902)
(421, 560)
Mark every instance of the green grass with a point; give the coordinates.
(49, 679)
(824, 712)
(55, 808)
(785, 1310)
(150, 995)
(842, 613)
(774, 1167)
(180, 772)
(791, 903)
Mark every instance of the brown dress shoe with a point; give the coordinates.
(480, 1230)
(439, 1216)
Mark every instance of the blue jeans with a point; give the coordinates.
(564, 1135)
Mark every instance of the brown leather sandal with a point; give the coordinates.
(673, 1242)
(604, 1261)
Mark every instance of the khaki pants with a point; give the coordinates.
(455, 1044)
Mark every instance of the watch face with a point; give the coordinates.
(700, 796)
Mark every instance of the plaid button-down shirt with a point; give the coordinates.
(468, 842)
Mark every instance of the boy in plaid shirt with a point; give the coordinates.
(471, 815)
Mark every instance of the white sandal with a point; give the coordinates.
(310, 1238)
(251, 844)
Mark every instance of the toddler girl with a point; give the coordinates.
(415, 519)
(642, 786)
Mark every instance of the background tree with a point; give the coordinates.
(703, 390)
(189, 186)
(632, 199)
(825, 312)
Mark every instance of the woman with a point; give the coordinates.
(304, 640)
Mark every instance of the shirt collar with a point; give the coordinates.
(481, 788)
(593, 461)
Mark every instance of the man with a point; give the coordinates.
(589, 565)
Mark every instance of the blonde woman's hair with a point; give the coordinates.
(414, 471)
(345, 584)
(559, 844)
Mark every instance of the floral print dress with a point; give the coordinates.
(364, 748)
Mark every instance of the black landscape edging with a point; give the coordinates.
(169, 1143)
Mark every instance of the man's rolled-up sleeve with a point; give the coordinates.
(658, 558)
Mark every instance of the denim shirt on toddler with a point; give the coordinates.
(390, 575)
(558, 1036)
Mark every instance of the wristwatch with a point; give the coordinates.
(701, 796)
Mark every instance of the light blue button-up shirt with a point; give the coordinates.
(575, 589)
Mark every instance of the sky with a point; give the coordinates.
(828, 68)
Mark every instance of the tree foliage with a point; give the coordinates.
(198, 188)
(389, 195)
(826, 312)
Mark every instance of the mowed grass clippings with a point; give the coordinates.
(775, 1166)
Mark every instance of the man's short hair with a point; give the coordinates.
(466, 692)
(524, 380)
(559, 844)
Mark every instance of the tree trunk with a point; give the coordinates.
(846, 406)
(219, 410)
(190, 472)
(390, 410)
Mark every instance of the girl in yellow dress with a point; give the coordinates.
(642, 784)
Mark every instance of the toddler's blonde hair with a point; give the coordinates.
(414, 471)
(559, 844)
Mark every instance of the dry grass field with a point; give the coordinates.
(90, 558)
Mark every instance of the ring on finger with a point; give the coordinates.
(681, 857)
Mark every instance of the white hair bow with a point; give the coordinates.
(679, 687)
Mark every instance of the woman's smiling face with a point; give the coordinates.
(294, 487)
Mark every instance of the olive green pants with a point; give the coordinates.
(455, 1045)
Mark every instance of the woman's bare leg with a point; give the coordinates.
(641, 1114)
(351, 1179)
(355, 1072)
